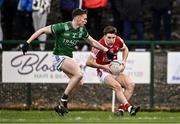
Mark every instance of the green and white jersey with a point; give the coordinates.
(66, 37)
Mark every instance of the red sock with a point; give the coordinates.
(121, 107)
(126, 106)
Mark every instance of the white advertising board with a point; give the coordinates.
(36, 67)
(173, 68)
(138, 66)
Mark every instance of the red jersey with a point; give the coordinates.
(101, 57)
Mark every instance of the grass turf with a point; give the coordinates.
(35, 116)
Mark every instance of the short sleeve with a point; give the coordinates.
(94, 52)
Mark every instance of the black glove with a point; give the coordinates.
(25, 47)
(110, 55)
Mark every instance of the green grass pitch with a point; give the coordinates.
(88, 117)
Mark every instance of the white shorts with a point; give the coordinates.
(102, 75)
(58, 61)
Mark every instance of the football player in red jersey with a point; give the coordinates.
(122, 83)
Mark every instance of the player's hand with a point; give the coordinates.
(122, 67)
(110, 55)
(25, 47)
(107, 68)
(123, 63)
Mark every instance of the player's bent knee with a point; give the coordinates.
(79, 75)
(117, 87)
(131, 85)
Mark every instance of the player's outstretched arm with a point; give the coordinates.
(96, 44)
(46, 30)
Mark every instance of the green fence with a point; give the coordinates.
(154, 98)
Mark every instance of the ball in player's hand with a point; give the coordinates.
(116, 67)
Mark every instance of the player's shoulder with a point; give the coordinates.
(119, 38)
(97, 51)
(82, 29)
(102, 41)
(63, 24)
(60, 27)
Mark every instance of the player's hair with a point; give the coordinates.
(77, 12)
(110, 29)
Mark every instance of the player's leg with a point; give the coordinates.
(110, 81)
(64, 100)
(73, 91)
(69, 66)
(127, 84)
(116, 86)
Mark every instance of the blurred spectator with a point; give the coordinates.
(23, 21)
(1, 32)
(9, 9)
(67, 6)
(161, 9)
(41, 8)
(133, 16)
(9, 13)
(95, 10)
(116, 7)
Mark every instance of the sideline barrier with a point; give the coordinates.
(152, 49)
(36, 67)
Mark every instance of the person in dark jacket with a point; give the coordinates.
(23, 21)
(161, 10)
(95, 10)
(9, 9)
(66, 8)
(133, 16)
(9, 13)
(116, 7)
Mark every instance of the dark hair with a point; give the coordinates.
(110, 29)
(78, 11)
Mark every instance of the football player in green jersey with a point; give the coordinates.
(67, 35)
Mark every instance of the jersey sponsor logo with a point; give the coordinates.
(70, 42)
(105, 59)
(116, 48)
